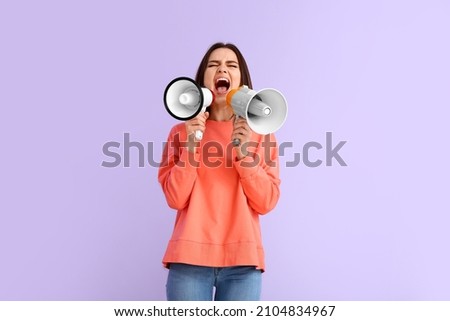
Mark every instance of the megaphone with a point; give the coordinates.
(265, 110)
(184, 99)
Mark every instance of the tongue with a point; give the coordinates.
(222, 90)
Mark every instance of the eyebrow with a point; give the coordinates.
(227, 62)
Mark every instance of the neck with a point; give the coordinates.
(220, 112)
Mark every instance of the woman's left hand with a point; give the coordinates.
(241, 131)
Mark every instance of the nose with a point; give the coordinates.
(222, 69)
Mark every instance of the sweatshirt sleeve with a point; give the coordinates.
(259, 175)
(178, 171)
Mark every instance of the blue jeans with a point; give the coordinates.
(196, 283)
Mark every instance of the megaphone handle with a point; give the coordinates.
(236, 141)
(198, 134)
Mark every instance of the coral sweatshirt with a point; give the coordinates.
(218, 198)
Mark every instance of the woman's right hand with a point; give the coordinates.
(192, 125)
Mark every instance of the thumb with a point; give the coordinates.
(206, 115)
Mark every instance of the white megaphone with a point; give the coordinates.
(184, 99)
(265, 110)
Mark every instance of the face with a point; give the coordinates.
(222, 73)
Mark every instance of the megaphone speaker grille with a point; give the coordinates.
(172, 93)
(272, 122)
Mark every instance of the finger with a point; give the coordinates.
(241, 124)
(246, 126)
(196, 128)
(201, 119)
(242, 130)
(241, 120)
(196, 122)
(203, 116)
(239, 136)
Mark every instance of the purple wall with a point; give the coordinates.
(76, 75)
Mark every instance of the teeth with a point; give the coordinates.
(222, 79)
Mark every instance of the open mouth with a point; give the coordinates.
(222, 85)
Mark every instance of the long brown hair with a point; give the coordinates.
(245, 74)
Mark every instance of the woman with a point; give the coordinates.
(219, 191)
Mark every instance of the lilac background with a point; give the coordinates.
(77, 74)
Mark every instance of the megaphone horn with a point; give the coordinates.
(184, 99)
(265, 110)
